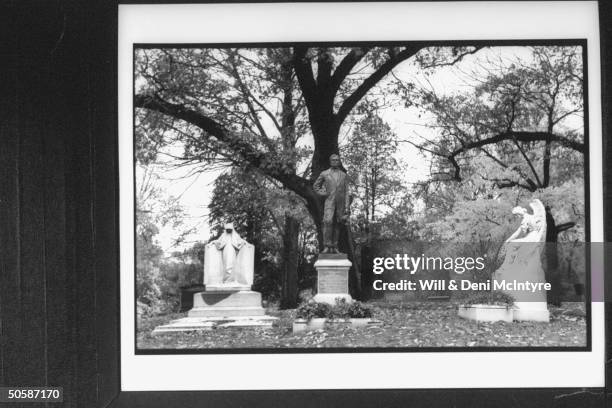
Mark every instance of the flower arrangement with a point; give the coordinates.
(341, 310)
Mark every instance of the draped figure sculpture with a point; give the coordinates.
(227, 300)
(228, 261)
(522, 262)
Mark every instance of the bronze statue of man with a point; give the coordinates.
(333, 185)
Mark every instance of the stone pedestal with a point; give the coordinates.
(226, 303)
(218, 309)
(486, 313)
(227, 287)
(531, 311)
(332, 278)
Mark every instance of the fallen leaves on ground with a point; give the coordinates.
(414, 325)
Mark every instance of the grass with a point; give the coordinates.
(423, 324)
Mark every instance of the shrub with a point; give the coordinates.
(312, 310)
(358, 310)
(488, 298)
(354, 310)
(341, 310)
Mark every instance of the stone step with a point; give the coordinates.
(200, 324)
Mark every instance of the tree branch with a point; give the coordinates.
(268, 164)
(305, 75)
(324, 68)
(565, 226)
(350, 102)
(533, 170)
(247, 98)
(507, 183)
(522, 137)
(455, 60)
(346, 65)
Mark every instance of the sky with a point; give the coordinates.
(193, 192)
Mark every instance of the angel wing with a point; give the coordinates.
(539, 213)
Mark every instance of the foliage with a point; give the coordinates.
(357, 310)
(148, 258)
(157, 281)
(340, 310)
(515, 132)
(478, 227)
(408, 325)
(542, 92)
(383, 204)
(312, 309)
(178, 274)
(369, 155)
(240, 197)
(267, 280)
(191, 255)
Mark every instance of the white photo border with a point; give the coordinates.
(322, 22)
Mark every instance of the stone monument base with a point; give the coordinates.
(226, 303)
(222, 309)
(228, 287)
(531, 312)
(486, 313)
(332, 278)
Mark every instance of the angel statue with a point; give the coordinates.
(228, 261)
(522, 262)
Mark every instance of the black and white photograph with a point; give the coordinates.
(305, 204)
(361, 196)
(359, 192)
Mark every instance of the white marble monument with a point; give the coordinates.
(522, 263)
(228, 262)
(227, 300)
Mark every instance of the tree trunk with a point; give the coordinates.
(367, 276)
(345, 245)
(325, 134)
(250, 235)
(289, 288)
(551, 270)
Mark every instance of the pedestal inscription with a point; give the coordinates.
(333, 281)
(332, 278)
